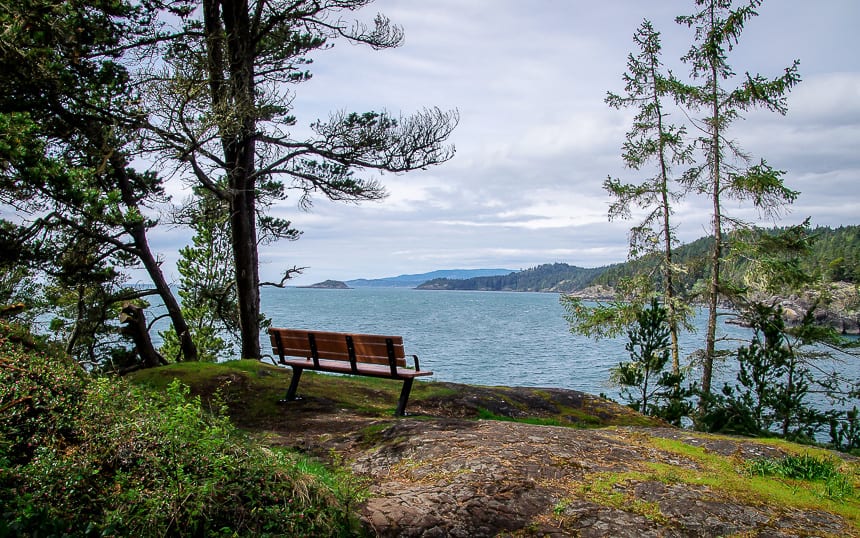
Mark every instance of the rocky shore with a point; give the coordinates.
(837, 306)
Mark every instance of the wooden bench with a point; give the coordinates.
(344, 353)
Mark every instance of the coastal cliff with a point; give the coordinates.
(492, 461)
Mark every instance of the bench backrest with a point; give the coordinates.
(367, 348)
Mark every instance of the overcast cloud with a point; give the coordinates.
(535, 139)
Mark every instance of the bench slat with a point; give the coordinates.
(338, 346)
(368, 348)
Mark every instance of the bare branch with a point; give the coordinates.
(288, 274)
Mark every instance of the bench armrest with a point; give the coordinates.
(417, 368)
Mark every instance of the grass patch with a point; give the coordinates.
(580, 418)
(732, 478)
(250, 389)
(426, 389)
(372, 435)
(816, 483)
(824, 470)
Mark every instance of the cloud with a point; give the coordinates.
(826, 100)
(536, 140)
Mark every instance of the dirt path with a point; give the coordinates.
(448, 476)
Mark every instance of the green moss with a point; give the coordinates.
(372, 435)
(725, 476)
(611, 489)
(426, 390)
(252, 389)
(256, 387)
(486, 414)
(568, 417)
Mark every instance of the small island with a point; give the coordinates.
(328, 285)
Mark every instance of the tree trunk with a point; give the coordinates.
(135, 327)
(717, 253)
(668, 277)
(174, 310)
(73, 338)
(137, 230)
(244, 235)
(239, 151)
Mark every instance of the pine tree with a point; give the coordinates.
(69, 127)
(726, 172)
(221, 110)
(206, 284)
(644, 383)
(652, 140)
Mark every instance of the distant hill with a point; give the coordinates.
(413, 281)
(833, 257)
(559, 277)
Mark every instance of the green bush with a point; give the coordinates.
(85, 456)
(645, 385)
(39, 391)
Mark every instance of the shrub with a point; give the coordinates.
(85, 456)
(39, 393)
(644, 383)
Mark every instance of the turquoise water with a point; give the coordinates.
(483, 338)
(489, 338)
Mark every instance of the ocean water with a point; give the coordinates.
(482, 338)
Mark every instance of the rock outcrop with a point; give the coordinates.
(329, 285)
(838, 306)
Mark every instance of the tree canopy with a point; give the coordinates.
(70, 118)
(221, 97)
(106, 101)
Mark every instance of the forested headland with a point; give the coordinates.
(834, 256)
(548, 277)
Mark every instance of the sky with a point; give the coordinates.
(535, 140)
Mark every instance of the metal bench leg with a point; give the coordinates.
(294, 384)
(404, 396)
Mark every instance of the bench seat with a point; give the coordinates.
(341, 367)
